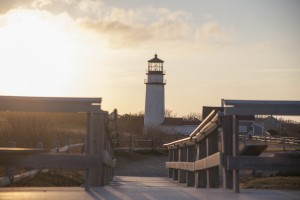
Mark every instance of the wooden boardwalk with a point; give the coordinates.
(142, 188)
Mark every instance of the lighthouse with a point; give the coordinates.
(155, 94)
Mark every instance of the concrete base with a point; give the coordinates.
(148, 188)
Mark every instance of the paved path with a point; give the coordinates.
(143, 188)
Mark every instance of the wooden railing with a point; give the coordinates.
(133, 143)
(195, 160)
(279, 143)
(12, 178)
(98, 160)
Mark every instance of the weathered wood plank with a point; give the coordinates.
(189, 166)
(250, 107)
(96, 149)
(201, 175)
(262, 163)
(210, 161)
(182, 158)
(48, 161)
(49, 104)
(175, 159)
(213, 172)
(226, 137)
(190, 175)
(171, 157)
(235, 152)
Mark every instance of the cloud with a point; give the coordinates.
(41, 3)
(131, 28)
(75, 8)
(117, 33)
(6, 5)
(213, 32)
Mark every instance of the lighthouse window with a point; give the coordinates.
(155, 67)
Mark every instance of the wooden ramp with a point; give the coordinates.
(142, 188)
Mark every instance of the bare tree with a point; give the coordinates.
(170, 113)
(193, 115)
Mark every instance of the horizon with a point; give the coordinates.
(212, 50)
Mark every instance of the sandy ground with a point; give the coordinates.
(134, 164)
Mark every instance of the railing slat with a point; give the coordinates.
(262, 163)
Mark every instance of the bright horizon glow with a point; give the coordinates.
(212, 51)
(36, 65)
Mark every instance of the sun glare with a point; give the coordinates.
(36, 54)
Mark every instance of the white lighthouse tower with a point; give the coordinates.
(155, 94)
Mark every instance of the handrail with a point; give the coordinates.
(207, 126)
(7, 180)
(203, 123)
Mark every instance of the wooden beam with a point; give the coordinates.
(175, 159)
(45, 160)
(263, 110)
(250, 107)
(230, 102)
(212, 148)
(189, 166)
(210, 161)
(226, 137)
(49, 104)
(182, 158)
(171, 171)
(262, 163)
(190, 175)
(235, 152)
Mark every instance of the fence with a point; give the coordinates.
(11, 177)
(275, 143)
(98, 160)
(196, 160)
(144, 142)
(133, 143)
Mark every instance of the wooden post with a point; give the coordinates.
(197, 173)
(182, 158)
(105, 167)
(190, 176)
(235, 152)
(226, 139)
(200, 175)
(87, 148)
(95, 145)
(211, 148)
(171, 156)
(175, 159)
(9, 171)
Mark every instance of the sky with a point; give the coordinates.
(213, 50)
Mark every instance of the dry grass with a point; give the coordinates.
(276, 183)
(26, 129)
